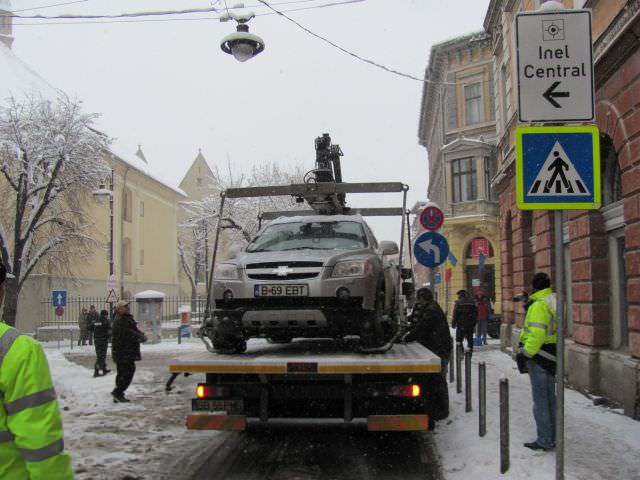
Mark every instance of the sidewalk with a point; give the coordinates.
(599, 442)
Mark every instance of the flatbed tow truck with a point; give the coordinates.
(392, 385)
(313, 379)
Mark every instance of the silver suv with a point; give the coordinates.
(307, 276)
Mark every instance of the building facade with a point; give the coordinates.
(457, 127)
(602, 247)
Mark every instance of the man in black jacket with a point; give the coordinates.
(465, 315)
(125, 349)
(101, 331)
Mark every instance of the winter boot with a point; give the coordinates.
(96, 372)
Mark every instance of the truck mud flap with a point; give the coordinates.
(216, 422)
(397, 423)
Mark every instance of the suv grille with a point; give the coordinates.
(283, 263)
(283, 270)
(273, 276)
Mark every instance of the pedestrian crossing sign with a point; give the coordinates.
(558, 168)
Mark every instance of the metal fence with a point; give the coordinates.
(171, 307)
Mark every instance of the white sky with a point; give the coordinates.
(169, 87)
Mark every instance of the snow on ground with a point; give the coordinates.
(138, 440)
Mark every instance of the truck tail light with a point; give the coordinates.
(211, 391)
(404, 391)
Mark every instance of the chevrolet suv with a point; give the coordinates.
(307, 276)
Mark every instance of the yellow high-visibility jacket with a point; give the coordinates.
(540, 322)
(31, 443)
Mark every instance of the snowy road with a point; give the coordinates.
(147, 439)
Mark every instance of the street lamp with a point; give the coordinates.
(101, 194)
(241, 44)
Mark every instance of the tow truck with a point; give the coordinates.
(366, 374)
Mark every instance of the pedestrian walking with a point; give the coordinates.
(92, 317)
(483, 307)
(465, 314)
(83, 326)
(31, 436)
(125, 349)
(538, 352)
(430, 328)
(101, 330)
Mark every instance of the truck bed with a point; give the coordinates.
(310, 357)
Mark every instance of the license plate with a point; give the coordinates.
(281, 290)
(230, 406)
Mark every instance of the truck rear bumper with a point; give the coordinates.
(375, 423)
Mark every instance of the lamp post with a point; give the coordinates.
(100, 194)
(242, 44)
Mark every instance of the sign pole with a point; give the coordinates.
(559, 287)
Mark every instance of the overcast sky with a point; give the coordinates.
(167, 85)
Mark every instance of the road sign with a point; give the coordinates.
(112, 283)
(555, 66)
(437, 278)
(112, 297)
(431, 249)
(59, 311)
(431, 218)
(558, 168)
(59, 298)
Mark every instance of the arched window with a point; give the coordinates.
(127, 203)
(610, 172)
(477, 245)
(126, 256)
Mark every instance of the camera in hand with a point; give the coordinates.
(523, 297)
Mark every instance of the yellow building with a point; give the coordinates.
(457, 127)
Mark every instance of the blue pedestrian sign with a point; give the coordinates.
(558, 168)
(59, 298)
(431, 249)
(437, 278)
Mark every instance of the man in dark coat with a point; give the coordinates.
(430, 328)
(125, 349)
(465, 314)
(92, 317)
(101, 329)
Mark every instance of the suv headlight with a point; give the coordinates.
(226, 271)
(351, 268)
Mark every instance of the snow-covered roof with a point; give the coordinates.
(18, 79)
(149, 294)
(146, 168)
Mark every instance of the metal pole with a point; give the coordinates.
(179, 336)
(482, 399)
(111, 187)
(559, 288)
(504, 425)
(451, 367)
(467, 381)
(458, 369)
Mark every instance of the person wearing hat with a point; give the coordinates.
(538, 352)
(125, 349)
(31, 436)
(465, 315)
(430, 328)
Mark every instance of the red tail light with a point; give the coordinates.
(404, 391)
(211, 391)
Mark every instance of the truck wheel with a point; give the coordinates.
(229, 346)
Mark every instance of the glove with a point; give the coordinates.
(142, 338)
(521, 361)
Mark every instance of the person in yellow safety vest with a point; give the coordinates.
(538, 352)
(31, 443)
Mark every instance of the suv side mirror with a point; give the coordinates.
(387, 247)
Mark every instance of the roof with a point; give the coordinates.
(18, 79)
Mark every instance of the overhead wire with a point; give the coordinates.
(48, 6)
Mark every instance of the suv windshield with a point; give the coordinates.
(310, 235)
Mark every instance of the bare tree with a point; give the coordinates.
(50, 160)
(195, 240)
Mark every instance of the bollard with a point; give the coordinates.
(467, 381)
(459, 369)
(179, 336)
(504, 425)
(451, 367)
(482, 399)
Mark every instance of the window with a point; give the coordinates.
(504, 94)
(473, 103)
(464, 180)
(610, 172)
(141, 208)
(126, 204)
(126, 256)
(618, 303)
(199, 181)
(489, 172)
(141, 256)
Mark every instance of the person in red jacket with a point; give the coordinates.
(483, 306)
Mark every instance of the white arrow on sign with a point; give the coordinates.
(59, 299)
(429, 247)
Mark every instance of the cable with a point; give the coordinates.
(172, 19)
(48, 6)
(344, 50)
